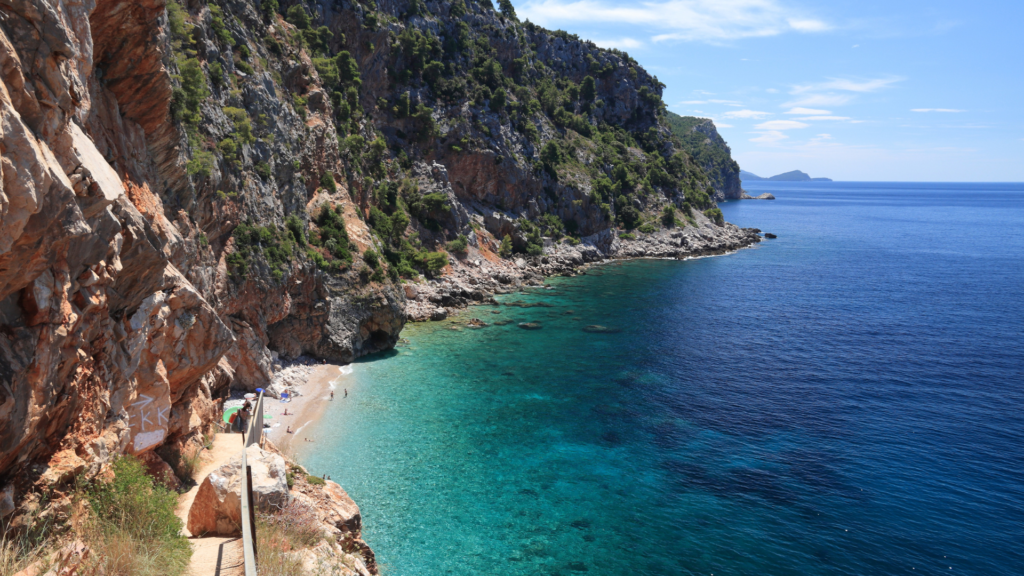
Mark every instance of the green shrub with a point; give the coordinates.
(315, 480)
(245, 67)
(371, 258)
(201, 164)
(431, 262)
(217, 23)
(216, 74)
(240, 120)
(297, 229)
(647, 228)
(333, 237)
(627, 236)
(505, 250)
(186, 100)
(668, 216)
(459, 245)
(135, 529)
(298, 17)
(327, 181)
(228, 148)
(715, 215)
(263, 170)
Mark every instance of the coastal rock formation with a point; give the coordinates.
(700, 138)
(475, 278)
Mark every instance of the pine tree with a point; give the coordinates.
(506, 247)
(507, 9)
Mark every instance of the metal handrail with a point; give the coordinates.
(253, 434)
(254, 428)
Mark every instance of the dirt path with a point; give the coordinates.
(214, 556)
(217, 556)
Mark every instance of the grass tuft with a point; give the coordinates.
(133, 530)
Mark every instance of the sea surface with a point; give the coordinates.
(845, 399)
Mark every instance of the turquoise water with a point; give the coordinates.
(846, 399)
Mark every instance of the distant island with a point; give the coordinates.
(794, 176)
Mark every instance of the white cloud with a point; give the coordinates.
(746, 114)
(935, 110)
(824, 118)
(820, 100)
(769, 137)
(781, 125)
(808, 111)
(772, 91)
(725, 103)
(620, 43)
(721, 125)
(847, 85)
(836, 91)
(700, 20)
(806, 25)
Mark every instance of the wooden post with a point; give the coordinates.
(252, 511)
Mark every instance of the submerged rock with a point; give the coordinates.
(530, 325)
(598, 329)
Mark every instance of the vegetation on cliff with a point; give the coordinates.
(428, 82)
(699, 138)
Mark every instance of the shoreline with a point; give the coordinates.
(434, 302)
(305, 409)
(475, 279)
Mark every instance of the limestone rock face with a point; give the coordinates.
(121, 320)
(342, 511)
(725, 179)
(217, 508)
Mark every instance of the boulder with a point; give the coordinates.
(160, 471)
(217, 508)
(765, 196)
(342, 511)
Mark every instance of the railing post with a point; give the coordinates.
(252, 513)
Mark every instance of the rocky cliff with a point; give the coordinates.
(188, 188)
(700, 139)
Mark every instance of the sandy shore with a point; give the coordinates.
(305, 409)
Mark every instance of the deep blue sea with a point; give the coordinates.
(845, 399)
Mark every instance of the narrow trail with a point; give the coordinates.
(217, 555)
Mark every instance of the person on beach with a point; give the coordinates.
(289, 430)
(332, 395)
(346, 392)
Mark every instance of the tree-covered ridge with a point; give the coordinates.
(576, 137)
(698, 137)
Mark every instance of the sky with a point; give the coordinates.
(865, 90)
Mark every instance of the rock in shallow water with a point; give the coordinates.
(530, 325)
(597, 329)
